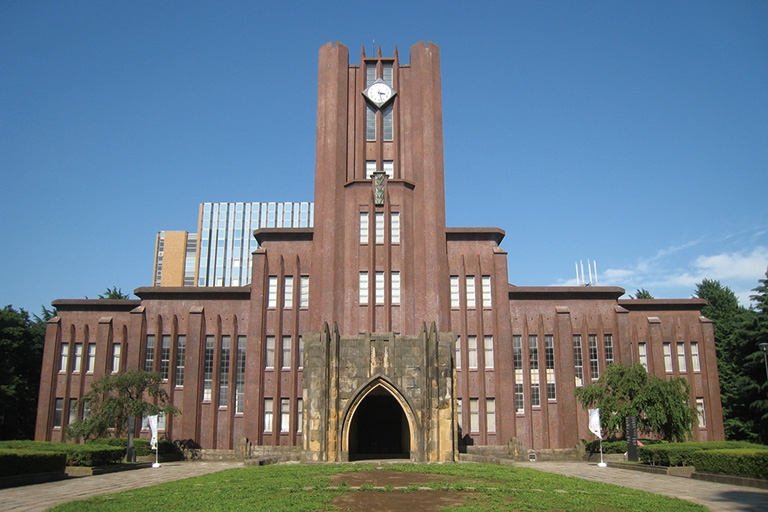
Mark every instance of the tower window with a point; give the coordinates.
(370, 122)
(388, 125)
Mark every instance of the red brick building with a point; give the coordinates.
(379, 330)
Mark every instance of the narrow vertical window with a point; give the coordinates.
(642, 352)
(458, 413)
(474, 415)
(681, 358)
(181, 354)
(363, 227)
(149, 356)
(519, 399)
(240, 376)
(490, 415)
(455, 292)
(86, 409)
(115, 358)
(370, 122)
(299, 414)
(208, 367)
(517, 352)
(72, 411)
(535, 395)
(224, 371)
(378, 227)
(304, 293)
(533, 352)
(286, 352)
(395, 282)
(379, 290)
(486, 289)
(387, 113)
(64, 357)
(608, 341)
(695, 360)
(270, 352)
(389, 168)
(700, 412)
(301, 353)
(58, 413)
(78, 359)
(370, 168)
(488, 351)
(458, 352)
(394, 227)
(268, 414)
(363, 287)
(667, 350)
(549, 366)
(91, 365)
(288, 292)
(272, 292)
(471, 299)
(472, 351)
(165, 356)
(594, 366)
(578, 360)
(285, 415)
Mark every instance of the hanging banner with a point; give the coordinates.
(153, 428)
(594, 422)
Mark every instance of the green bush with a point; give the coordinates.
(77, 454)
(140, 445)
(618, 446)
(743, 462)
(680, 454)
(24, 462)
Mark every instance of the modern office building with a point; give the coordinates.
(379, 331)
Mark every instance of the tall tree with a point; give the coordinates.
(21, 357)
(642, 293)
(114, 293)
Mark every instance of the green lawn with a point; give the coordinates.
(287, 487)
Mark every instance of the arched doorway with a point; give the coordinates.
(379, 428)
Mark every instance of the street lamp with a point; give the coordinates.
(764, 347)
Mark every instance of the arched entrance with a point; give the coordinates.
(379, 428)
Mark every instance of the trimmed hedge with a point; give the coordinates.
(680, 454)
(24, 462)
(743, 462)
(619, 446)
(140, 445)
(76, 454)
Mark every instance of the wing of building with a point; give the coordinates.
(374, 330)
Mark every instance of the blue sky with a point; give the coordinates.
(630, 133)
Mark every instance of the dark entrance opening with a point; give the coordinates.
(379, 429)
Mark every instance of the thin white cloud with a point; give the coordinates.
(737, 265)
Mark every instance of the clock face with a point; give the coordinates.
(379, 93)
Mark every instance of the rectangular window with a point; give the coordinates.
(272, 292)
(667, 350)
(394, 227)
(551, 390)
(240, 376)
(695, 360)
(370, 168)
(91, 365)
(578, 360)
(208, 367)
(78, 359)
(301, 353)
(533, 352)
(181, 354)
(388, 121)
(490, 415)
(642, 353)
(165, 355)
(286, 352)
(389, 168)
(486, 290)
(58, 413)
(149, 355)
(488, 351)
(517, 351)
(549, 352)
(608, 339)
(700, 412)
(471, 298)
(363, 288)
(681, 358)
(455, 292)
(115, 357)
(370, 122)
(395, 278)
(285, 415)
(299, 414)
(304, 292)
(224, 371)
(378, 228)
(379, 288)
(363, 227)
(270, 352)
(519, 399)
(458, 352)
(474, 415)
(72, 411)
(268, 414)
(472, 351)
(458, 413)
(288, 291)
(86, 409)
(594, 367)
(535, 395)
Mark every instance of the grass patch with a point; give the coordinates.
(309, 488)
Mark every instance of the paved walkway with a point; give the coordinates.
(716, 497)
(41, 497)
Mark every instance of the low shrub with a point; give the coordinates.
(742, 462)
(140, 445)
(680, 454)
(616, 446)
(76, 454)
(24, 462)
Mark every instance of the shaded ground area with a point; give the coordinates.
(383, 477)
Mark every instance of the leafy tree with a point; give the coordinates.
(114, 398)
(660, 405)
(642, 293)
(114, 293)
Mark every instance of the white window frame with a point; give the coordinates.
(77, 361)
(270, 349)
(471, 292)
(288, 292)
(472, 352)
(474, 415)
(488, 351)
(454, 286)
(695, 357)
(485, 284)
(364, 227)
(379, 287)
(286, 353)
(490, 415)
(363, 287)
(394, 278)
(378, 228)
(91, 364)
(682, 366)
(458, 352)
(268, 414)
(285, 415)
(642, 353)
(116, 349)
(304, 292)
(394, 228)
(667, 351)
(701, 412)
(272, 292)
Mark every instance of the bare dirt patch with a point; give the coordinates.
(397, 501)
(382, 478)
